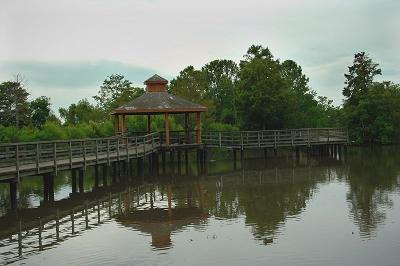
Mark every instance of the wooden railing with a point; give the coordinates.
(43, 156)
(275, 138)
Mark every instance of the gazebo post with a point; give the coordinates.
(148, 124)
(166, 129)
(198, 120)
(116, 124)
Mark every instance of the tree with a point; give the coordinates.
(14, 105)
(360, 77)
(375, 119)
(221, 78)
(40, 108)
(80, 112)
(191, 84)
(261, 90)
(371, 109)
(115, 91)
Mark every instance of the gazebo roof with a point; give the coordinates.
(158, 100)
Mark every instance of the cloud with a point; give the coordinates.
(73, 75)
(135, 37)
(68, 82)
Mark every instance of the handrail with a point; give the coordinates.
(66, 154)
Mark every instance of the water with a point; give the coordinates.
(321, 211)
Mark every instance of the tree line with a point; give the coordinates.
(259, 92)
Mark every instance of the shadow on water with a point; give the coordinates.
(265, 192)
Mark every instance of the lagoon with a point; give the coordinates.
(279, 211)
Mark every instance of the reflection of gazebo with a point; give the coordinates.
(156, 101)
(161, 222)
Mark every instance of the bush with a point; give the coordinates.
(221, 127)
(51, 131)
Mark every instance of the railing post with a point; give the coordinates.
(308, 137)
(328, 136)
(55, 157)
(84, 153)
(144, 146)
(37, 158)
(17, 161)
(118, 148)
(97, 152)
(70, 154)
(127, 149)
(241, 140)
(220, 138)
(292, 137)
(136, 147)
(275, 139)
(108, 151)
(258, 137)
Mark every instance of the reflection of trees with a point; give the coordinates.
(372, 177)
(266, 198)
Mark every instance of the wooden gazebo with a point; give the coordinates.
(157, 101)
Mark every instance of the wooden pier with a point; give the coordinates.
(37, 158)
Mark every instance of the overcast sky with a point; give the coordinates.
(66, 48)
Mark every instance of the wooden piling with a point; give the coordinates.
(13, 195)
(81, 176)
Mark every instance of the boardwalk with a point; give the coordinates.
(35, 158)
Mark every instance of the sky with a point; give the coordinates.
(65, 49)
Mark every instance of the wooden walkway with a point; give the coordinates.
(35, 158)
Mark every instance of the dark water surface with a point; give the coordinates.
(320, 211)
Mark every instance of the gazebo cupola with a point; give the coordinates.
(156, 84)
(158, 101)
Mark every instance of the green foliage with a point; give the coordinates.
(221, 78)
(360, 77)
(375, 118)
(115, 91)
(81, 112)
(191, 84)
(260, 93)
(40, 108)
(217, 126)
(371, 109)
(14, 105)
(274, 95)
